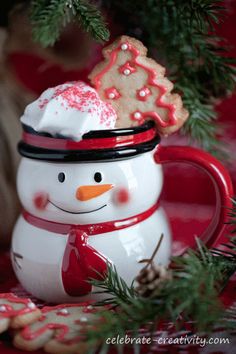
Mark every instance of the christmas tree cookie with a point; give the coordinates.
(137, 88)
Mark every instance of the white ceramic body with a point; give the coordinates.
(39, 269)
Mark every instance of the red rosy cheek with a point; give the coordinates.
(40, 200)
(122, 196)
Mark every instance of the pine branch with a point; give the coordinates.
(115, 286)
(48, 18)
(91, 20)
(198, 277)
(191, 293)
(181, 34)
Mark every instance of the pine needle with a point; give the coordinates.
(49, 17)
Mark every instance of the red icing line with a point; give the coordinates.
(47, 309)
(62, 328)
(88, 144)
(62, 314)
(10, 312)
(62, 331)
(151, 81)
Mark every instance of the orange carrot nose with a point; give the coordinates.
(88, 192)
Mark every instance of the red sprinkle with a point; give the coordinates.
(81, 97)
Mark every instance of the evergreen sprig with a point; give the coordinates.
(181, 34)
(193, 292)
(91, 20)
(115, 286)
(50, 16)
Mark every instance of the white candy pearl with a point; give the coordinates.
(3, 308)
(90, 307)
(137, 115)
(64, 311)
(126, 72)
(111, 95)
(124, 46)
(31, 306)
(142, 93)
(83, 319)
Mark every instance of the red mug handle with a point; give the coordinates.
(219, 176)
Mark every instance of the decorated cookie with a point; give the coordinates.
(16, 312)
(59, 330)
(137, 88)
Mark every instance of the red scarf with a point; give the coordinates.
(82, 262)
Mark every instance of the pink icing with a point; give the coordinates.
(61, 328)
(10, 311)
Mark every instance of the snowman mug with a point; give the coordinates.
(96, 201)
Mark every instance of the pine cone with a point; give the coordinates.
(150, 278)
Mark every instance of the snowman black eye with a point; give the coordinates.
(98, 177)
(61, 177)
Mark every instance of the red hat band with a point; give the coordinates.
(119, 141)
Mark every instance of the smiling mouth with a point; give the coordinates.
(77, 212)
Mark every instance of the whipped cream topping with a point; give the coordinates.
(69, 110)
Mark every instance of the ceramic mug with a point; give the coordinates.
(96, 201)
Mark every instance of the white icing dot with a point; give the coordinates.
(126, 72)
(137, 115)
(89, 307)
(124, 46)
(31, 305)
(64, 311)
(3, 308)
(142, 93)
(83, 319)
(111, 95)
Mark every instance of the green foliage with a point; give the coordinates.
(192, 294)
(50, 16)
(181, 34)
(115, 286)
(193, 291)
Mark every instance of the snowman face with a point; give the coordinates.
(87, 193)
